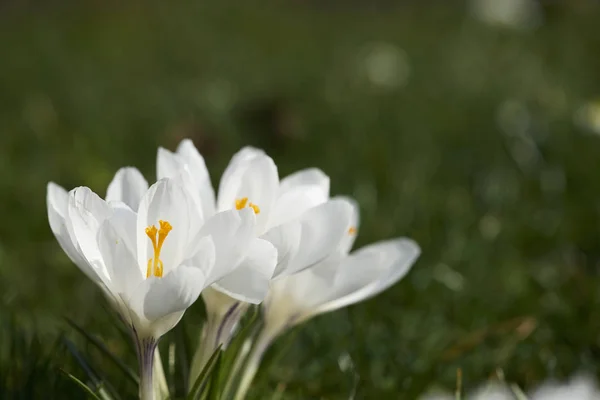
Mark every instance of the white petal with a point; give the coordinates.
(188, 152)
(297, 193)
(306, 177)
(323, 229)
(294, 298)
(231, 232)
(124, 221)
(249, 282)
(254, 178)
(166, 200)
(168, 164)
(286, 239)
(371, 270)
(292, 203)
(57, 200)
(174, 166)
(127, 186)
(174, 292)
(246, 154)
(119, 259)
(86, 212)
(203, 255)
(350, 237)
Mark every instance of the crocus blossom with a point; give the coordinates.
(150, 251)
(340, 280)
(295, 215)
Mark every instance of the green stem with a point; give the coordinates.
(262, 343)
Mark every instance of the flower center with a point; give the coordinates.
(157, 237)
(352, 230)
(241, 203)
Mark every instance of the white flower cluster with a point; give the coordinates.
(285, 244)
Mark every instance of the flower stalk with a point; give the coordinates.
(261, 344)
(217, 331)
(145, 351)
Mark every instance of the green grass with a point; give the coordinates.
(477, 157)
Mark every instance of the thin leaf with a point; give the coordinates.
(81, 361)
(235, 346)
(82, 385)
(233, 358)
(202, 379)
(214, 387)
(182, 352)
(100, 346)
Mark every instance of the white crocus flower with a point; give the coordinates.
(151, 264)
(294, 214)
(340, 280)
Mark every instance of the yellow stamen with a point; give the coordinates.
(241, 203)
(157, 237)
(352, 230)
(255, 208)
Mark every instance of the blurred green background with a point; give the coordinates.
(475, 132)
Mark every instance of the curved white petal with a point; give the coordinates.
(202, 255)
(201, 178)
(294, 297)
(124, 221)
(231, 232)
(294, 202)
(286, 239)
(172, 293)
(253, 177)
(174, 166)
(119, 259)
(86, 212)
(323, 229)
(168, 201)
(369, 271)
(128, 186)
(57, 200)
(249, 282)
(349, 239)
(306, 177)
(246, 154)
(168, 164)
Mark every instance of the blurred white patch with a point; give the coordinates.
(490, 227)
(581, 387)
(492, 391)
(435, 395)
(514, 14)
(386, 65)
(448, 277)
(588, 116)
(345, 362)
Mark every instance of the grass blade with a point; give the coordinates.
(103, 349)
(82, 385)
(202, 379)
